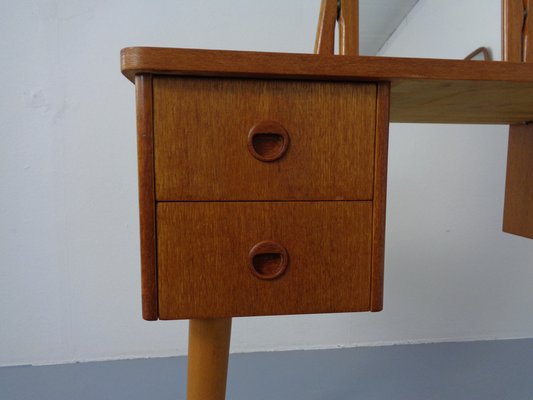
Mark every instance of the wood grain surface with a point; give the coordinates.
(145, 160)
(517, 31)
(517, 46)
(226, 63)
(518, 210)
(349, 28)
(207, 361)
(203, 251)
(380, 196)
(201, 139)
(325, 34)
(527, 32)
(512, 24)
(468, 103)
(423, 90)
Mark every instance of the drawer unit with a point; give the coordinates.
(260, 197)
(323, 133)
(317, 258)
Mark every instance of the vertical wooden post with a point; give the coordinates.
(518, 207)
(512, 19)
(209, 342)
(145, 154)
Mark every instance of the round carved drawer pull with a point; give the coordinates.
(268, 141)
(268, 260)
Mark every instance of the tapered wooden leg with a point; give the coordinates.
(209, 341)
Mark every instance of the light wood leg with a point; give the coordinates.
(209, 341)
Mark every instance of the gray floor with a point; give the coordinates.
(499, 370)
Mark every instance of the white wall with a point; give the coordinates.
(69, 272)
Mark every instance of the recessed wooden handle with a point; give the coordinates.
(268, 260)
(268, 141)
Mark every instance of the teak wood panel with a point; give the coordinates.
(468, 102)
(518, 210)
(201, 132)
(380, 196)
(516, 46)
(250, 64)
(204, 269)
(495, 92)
(145, 160)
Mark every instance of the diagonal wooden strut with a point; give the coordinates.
(346, 13)
(325, 35)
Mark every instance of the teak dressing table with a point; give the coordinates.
(262, 176)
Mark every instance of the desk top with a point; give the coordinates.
(423, 90)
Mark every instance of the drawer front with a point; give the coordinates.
(219, 259)
(238, 139)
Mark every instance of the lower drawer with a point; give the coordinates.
(221, 259)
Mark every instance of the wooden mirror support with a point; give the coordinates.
(262, 176)
(517, 47)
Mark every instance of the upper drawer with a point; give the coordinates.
(205, 148)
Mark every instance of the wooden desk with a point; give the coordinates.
(206, 199)
(262, 176)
